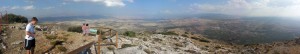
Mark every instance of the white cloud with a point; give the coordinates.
(30, 7)
(64, 3)
(15, 7)
(108, 3)
(49, 8)
(29, 1)
(131, 1)
(111, 3)
(3, 8)
(282, 8)
(166, 11)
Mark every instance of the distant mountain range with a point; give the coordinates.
(70, 18)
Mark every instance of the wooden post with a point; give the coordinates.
(99, 42)
(0, 22)
(116, 39)
(6, 19)
(110, 33)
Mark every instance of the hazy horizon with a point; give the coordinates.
(151, 9)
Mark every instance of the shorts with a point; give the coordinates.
(29, 44)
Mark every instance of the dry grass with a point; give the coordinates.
(62, 48)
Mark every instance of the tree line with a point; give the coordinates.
(13, 18)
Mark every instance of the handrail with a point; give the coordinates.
(100, 39)
(80, 49)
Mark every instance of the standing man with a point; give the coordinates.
(30, 34)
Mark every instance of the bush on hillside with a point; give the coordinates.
(111, 48)
(51, 37)
(201, 40)
(168, 33)
(184, 35)
(129, 33)
(62, 48)
(13, 18)
(148, 51)
(77, 29)
(127, 45)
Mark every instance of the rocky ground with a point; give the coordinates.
(154, 44)
(181, 42)
(176, 44)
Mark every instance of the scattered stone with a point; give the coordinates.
(4, 37)
(130, 50)
(3, 46)
(3, 34)
(16, 42)
(107, 52)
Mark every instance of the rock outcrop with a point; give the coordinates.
(155, 44)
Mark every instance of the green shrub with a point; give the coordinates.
(51, 37)
(66, 34)
(179, 44)
(13, 18)
(204, 40)
(111, 48)
(103, 38)
(129, 33)
(56, 42)
(145, 39)
(62, 48)
(201, 40)
(77, 29)
(157, 39)
(184, 35)
(148, 51)
(190, 51)
(102, 32)
(53, 42)
(127, 45)
(168, 33)
(218, 47)
(62, 38)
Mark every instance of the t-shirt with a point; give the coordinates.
(29, 28)
(87, 30)
(84, 29)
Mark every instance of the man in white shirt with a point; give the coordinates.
(30, 34)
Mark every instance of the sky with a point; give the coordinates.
(137, 8)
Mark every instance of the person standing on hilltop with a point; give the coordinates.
(83, 27)
(87, 30)
(30, 36)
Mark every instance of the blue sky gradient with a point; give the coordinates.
(139, 8)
